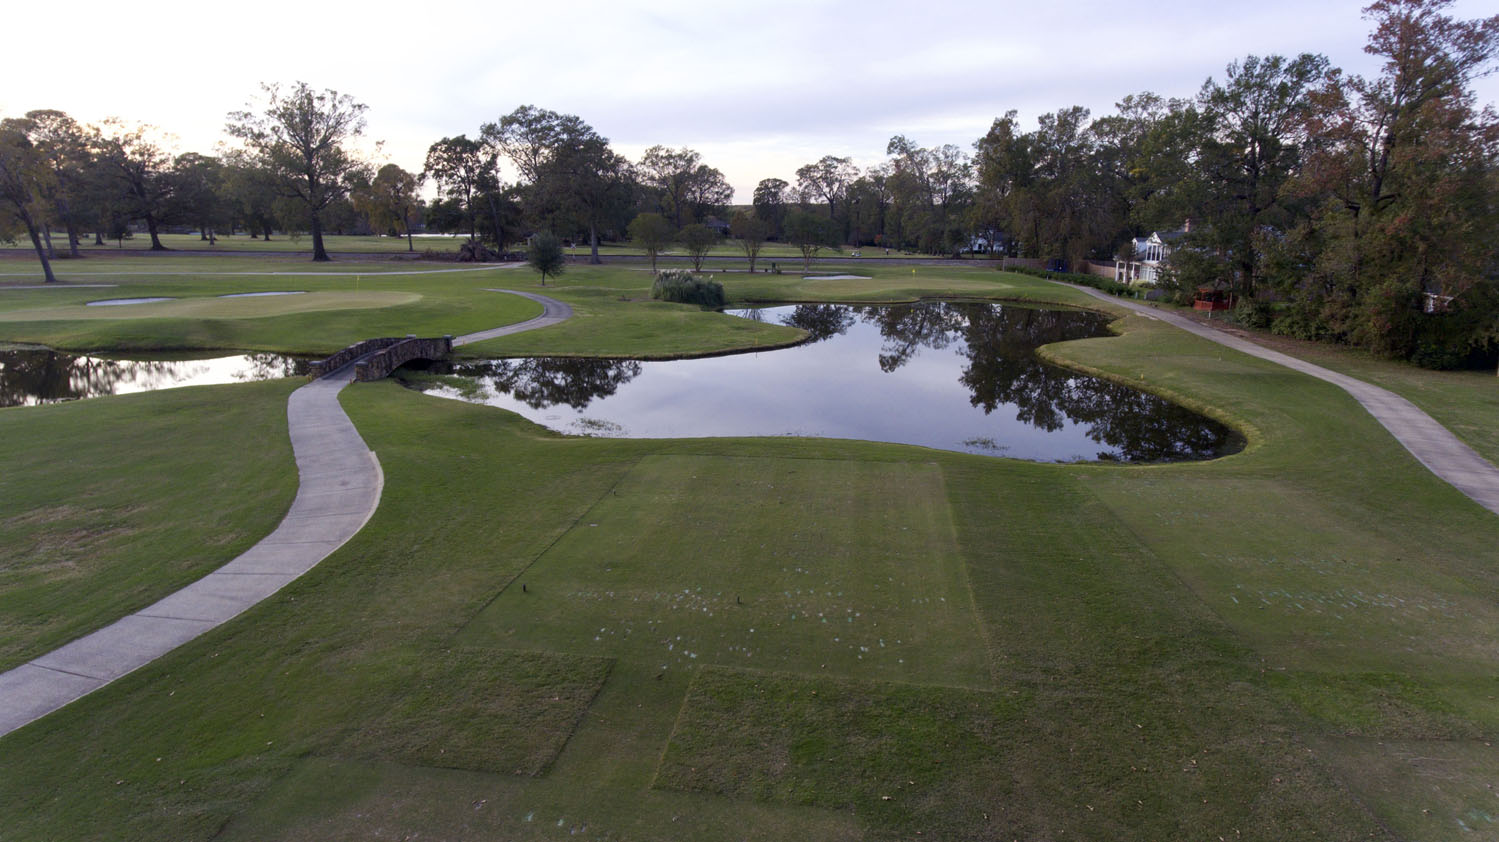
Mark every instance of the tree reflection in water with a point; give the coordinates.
(1000, 343)
(822, 321)
(541, 382)
(31, 377)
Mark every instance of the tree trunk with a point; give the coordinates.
(593, 244)
(36, 243)
(319, 254)
(265, 228)
(73, 239)
(155, 239)
(98, 237)
(406, 221)
(494, 217)
(47, 237)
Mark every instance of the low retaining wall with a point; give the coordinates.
(1101, 269)
(380, 364)
(1022, 262)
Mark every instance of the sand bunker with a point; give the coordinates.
(115, 302)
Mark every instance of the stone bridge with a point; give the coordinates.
(375, 359)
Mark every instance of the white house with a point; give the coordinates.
(1147, 256)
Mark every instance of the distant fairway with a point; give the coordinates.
(220, 308)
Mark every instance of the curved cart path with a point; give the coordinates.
(1432, 444)
(553, 311)
(340, 485)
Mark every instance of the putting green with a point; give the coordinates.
(215, 307)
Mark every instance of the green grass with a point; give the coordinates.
(485, 710)
(614, 316)
(756, 562)
(1465, 402)
(343, 303)
(334, 243)
(107, 506)
(1095, 651)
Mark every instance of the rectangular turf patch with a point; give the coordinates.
(899, 755)
(485, 710)
(824, 566)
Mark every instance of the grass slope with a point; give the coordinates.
(110, 504)
(1131, 652)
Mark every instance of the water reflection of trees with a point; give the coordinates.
(907, 328)
(822, 321)
(265, 366)
(1002, 369)
(546, 381)
(38, 376)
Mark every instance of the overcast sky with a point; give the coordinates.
(758, 88)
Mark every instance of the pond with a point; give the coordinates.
(954, 376)
(32, 377)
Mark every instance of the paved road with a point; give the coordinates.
(340, 485)
(1431, 443)
(484, 267)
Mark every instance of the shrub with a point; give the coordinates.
(1300, 323)
(681, 286)
(1254, 313)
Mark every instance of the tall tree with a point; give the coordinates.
(198, 194)
(250, 193)
(686, 187)
(828, 180)
(771, 197)
(64, 145)
(462, 168)
(391, 199)
(1006, 175)
(1404, 165)
(1066, 190)
(299, 136)
(23, 179)
(140, 164)
(1256, 119)
(567, 167)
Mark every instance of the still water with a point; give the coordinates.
(28, 378)
(955, 376)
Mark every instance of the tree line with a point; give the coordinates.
(1334, 206)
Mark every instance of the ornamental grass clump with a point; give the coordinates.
(681, 286)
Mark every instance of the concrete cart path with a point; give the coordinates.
(340, 485)
(553, 311)
(1432, 444)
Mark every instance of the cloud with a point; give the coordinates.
(758, 88)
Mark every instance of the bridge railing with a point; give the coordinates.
(388, 354)
(380, 364)
(321, 368)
